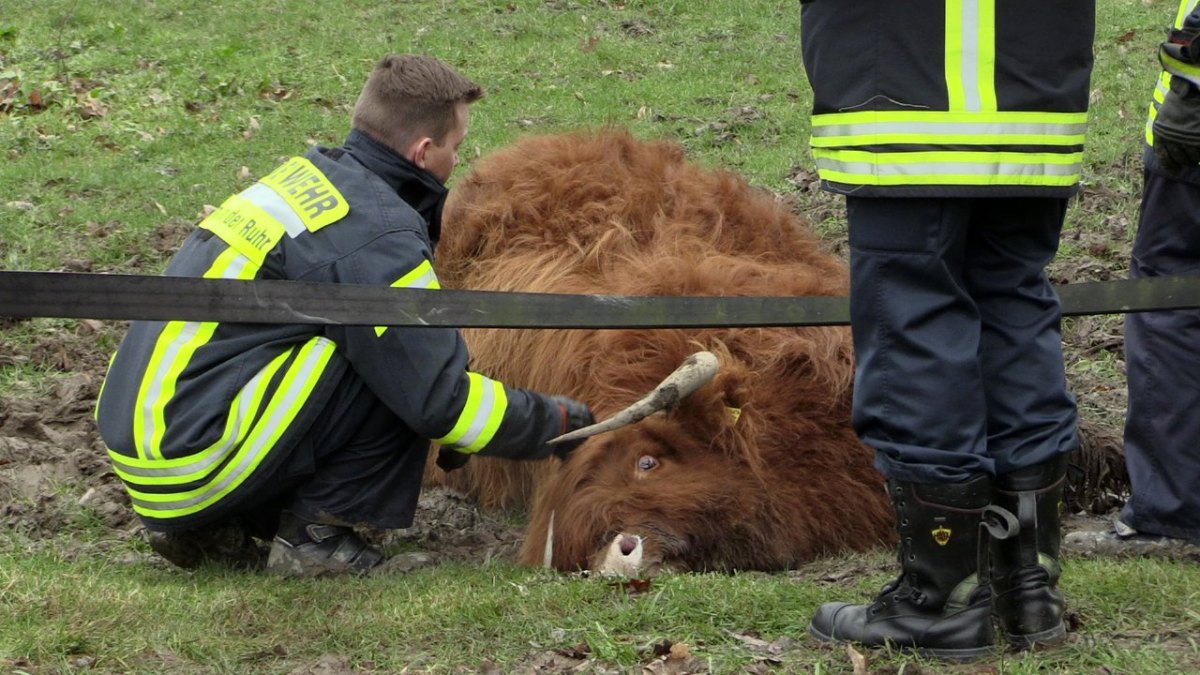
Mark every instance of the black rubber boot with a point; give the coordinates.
(939, 606)
(1025, 569)
(220, 544)
(303, 548)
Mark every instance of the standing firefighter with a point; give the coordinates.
(299, 432)
(955, 130)
(1161, 427)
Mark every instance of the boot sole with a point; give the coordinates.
(1046, 638)
(958, 655)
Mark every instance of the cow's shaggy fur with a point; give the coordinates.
(758, 470)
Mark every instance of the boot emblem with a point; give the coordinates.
(941, 535)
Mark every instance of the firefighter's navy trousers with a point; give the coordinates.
(1162, 355)
(957, 335)
(358, 464)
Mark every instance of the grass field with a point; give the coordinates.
(120, 121)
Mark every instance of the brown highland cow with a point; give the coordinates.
(759, 469)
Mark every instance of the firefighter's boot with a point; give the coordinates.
(1026, 568)
(225, 543)
(304, 548)
(940, 605)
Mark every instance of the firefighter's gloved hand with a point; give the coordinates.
(575, 415)
(1177, 128)
(449, 459)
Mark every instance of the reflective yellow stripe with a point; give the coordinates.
(970, 54)
(173, 350)
(835, 137)
(289, 398)
(1188, 71)
(878, 127)
(1185, 8)
(421, 276)
(180, 470)
(100, 394)
(309, 192)
(1163, 85)
(246, 227)
(480, 417)
(1157, 98)
(955, 88)
(987, 54)
(949, 168)
(276, 207)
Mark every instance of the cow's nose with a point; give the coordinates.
(629, 544)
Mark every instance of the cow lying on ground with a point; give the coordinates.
(758, 469)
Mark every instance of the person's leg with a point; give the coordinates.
(358, 466)
(1032, 417)
(1162, 356)
(918, 394)
(919, 401)
(366, 468)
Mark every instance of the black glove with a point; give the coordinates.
(575, 415)
(449, 459)
(1177, 128)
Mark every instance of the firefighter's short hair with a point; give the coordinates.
(411, 96)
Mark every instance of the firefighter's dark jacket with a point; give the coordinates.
(948, 97)
(190, 410)
(1188, 19)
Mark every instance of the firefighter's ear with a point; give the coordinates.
(418, 149)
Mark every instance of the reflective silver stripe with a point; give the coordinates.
(154, 392)
(970, 55)
(276, 207)
(421, 276)
(252, 452)
(427, 280)
(213, 455)
(988, 132)
(949, 168)
(483, 413)
(166, 363)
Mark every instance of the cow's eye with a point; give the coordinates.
(646, 463)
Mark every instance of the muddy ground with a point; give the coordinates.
(53, 468)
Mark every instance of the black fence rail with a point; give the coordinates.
(146, 297)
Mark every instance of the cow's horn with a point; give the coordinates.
(548, 552)
(695, 371)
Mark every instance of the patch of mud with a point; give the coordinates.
(449, 528)
(55, 473)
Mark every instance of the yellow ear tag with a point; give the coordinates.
(734, 414)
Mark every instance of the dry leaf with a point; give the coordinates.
(750, 640)
(858, 659)
(90, 108)
(251, 129)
